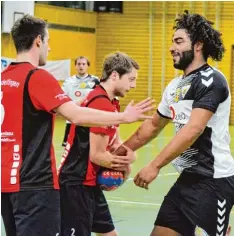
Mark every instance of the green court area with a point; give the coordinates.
(134, 209)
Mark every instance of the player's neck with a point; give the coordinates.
(82, 76)
(109, 89)
(193, 66)
(28, 57)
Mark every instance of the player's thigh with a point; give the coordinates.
(170, 218)
(7, 214)
(102, 221)
(77, 210)
(37, 212)
(214, 205)
(163, 231)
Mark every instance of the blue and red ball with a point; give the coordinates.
(110, 180)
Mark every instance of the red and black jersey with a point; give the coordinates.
(76, 167)
(28, 98)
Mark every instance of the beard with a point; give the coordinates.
(185, 60)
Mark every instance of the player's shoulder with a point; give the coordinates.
(94, 77)
(99, 95)
(42, 74)
(97, 92)
(70, 80)
(210, 77)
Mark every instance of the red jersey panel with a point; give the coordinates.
(76, 167)
(27, 156)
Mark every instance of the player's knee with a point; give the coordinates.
(228, 231)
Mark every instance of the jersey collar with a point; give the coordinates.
(198, 69)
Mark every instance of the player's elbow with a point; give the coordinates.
(93, 157)
(76, 121)
(196, 129)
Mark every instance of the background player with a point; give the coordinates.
(83, 205)
(78, 86)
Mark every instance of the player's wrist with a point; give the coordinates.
(156, 165)
(123, 117)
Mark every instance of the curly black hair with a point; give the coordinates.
(200, 30)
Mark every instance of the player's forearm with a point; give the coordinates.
(102, 159)
(144, 134)
(182, 141)
(91, 117)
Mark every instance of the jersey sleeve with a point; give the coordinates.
(209, 92)
(96, 81)
(45, 91)
(105, 105)
(163, 107)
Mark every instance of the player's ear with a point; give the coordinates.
(38, 40)
(115, 75)
(198, 46)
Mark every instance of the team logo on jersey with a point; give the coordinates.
(185, 89)
(77, 93)
(181, 92)
(61, 96)
(82, 85)
(177, 95)
(200, 232)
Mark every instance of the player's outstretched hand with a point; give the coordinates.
(133, 113)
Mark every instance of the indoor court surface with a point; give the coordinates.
(134, 209)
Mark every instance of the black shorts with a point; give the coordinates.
(84, 210)
(31, 213)
(197, 201)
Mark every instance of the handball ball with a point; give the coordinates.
(110, 180)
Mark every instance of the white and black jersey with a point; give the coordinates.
(79, 87)
(204, 88)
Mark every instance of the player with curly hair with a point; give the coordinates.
(198, 103)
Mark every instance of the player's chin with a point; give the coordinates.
(124, 93)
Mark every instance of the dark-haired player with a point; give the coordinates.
(198, 103)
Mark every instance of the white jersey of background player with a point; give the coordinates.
(78, 86)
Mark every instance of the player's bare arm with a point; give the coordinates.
(183, 140)
(100, 156)
(148, 130)
(91, 117)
